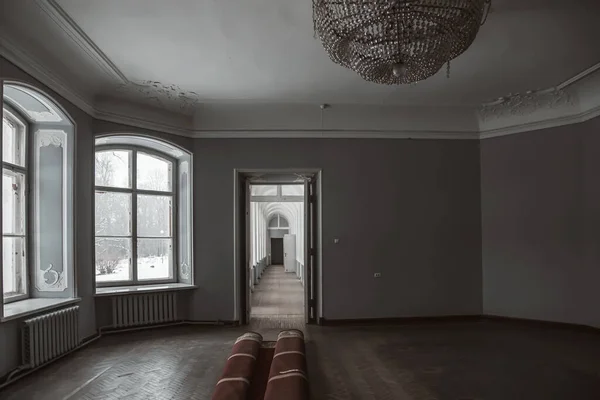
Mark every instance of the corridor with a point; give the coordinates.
(277, 301)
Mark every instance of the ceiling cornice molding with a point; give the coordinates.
(335, 134)
(143, 123)
(14, 53)
(544, 124)
(74, 31)
(522, 104)
(584, 74)
(562, 100)
(561, 105)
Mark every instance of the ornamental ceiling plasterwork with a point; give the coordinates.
(519, 104)
(169, 96)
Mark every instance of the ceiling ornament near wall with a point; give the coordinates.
(525, 103)
(397, 41)
(163, 95)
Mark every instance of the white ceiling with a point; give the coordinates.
(217, 52)
(264, 50)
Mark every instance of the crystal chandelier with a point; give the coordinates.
(397, 41)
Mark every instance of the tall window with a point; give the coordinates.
(37, 197)
(14, 208)
(135, 216)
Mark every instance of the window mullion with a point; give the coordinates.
(29, 163)
(134, 247)
(14, 168)
(154, 192)
(113, 237)
(112, 189)
(127, 190)
(174, 222)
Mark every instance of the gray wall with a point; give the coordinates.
(540, 195)
(421, 196)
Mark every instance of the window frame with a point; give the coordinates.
(134, 192)
(16, 119)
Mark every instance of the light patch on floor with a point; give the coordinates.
(277, 303)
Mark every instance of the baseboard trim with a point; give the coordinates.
(457, 319)
(541, 323)
(111, 329)
(400, 320)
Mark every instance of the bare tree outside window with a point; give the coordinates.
(133, 245)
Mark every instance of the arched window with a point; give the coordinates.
(143, 213)
(279, 221)
(37, 196)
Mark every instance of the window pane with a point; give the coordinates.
(292, 190)
(153, 173)
(13, 203)
(14, 272)
(13, 146)
(154, 216)
(113, 214)
(155, 259)
(112, 168)
(263, 190)
(113, 259)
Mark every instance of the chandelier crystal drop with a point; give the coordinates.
(397, 41)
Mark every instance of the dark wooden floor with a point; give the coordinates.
(456, 361)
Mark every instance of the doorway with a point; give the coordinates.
(277, 251)
(276, 248)
(276, 269)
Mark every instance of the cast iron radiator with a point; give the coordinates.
(49, 336)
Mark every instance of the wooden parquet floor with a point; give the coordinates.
(487, 360)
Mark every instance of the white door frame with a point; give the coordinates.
(242, 174)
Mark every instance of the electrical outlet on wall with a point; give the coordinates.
(377, 275)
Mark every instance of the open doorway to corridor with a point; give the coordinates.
(277, 249)
(277, 255)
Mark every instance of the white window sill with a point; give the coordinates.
(122, 290)
(26, 307)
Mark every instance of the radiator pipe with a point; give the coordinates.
(14, 375)
(12, 378)
(16, 371)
